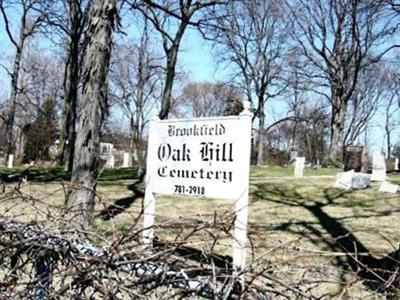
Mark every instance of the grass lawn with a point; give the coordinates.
(296, 225)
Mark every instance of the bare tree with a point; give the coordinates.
(298, 85)
(340, 38)
(171, 19)
(206, 99)
(30, 19)
(135, 87)
(40, 81)
(93, 107)
(391, 105)
(74, 32)
(67, 19)
(254, 38)
(310, 123)
(364, 103)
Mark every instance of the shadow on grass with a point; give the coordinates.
(378, 274)
(122, 204)
(118, 174)
(36, 174)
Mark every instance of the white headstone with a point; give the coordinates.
(299, 166)
(126, 162)
(396, 164)
(387, 187)
(318, 163)
(106, 149)
(378, 167)
(360, 181)
(10, 161)
(136, 156)
(351, 180)
(344, 180)
(110, 162)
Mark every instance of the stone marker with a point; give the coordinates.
(106, 149)
(10, 161)
(387, 187)
(344, 180)
(360, 181)
(299, 166)
(353, 158)
(136, 156)
(396, 164)
(110, 162)
(126, 162)
(351, 180)
(378, 167)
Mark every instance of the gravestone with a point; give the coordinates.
(10, 161)
(344, 180)
(106, 149)
(396, 164)
(136, 155)
(353, 158)
(299, 166)
(378, 167)
(351, 180)
(126, 161)
(110, 164)
(387, 187)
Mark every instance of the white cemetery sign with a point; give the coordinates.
(299, 166)
(205, 157)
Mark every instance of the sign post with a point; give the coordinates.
(204, 157)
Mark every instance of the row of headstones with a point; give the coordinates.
(378, 167)
(109, 164)
(126, 162)
(351, 179)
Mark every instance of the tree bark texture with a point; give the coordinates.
(71, 84)
(14, 94)
(339, 112)
(261, 125)
(93, 107)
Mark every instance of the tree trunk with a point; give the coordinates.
(9, 133)
(261, 125)
(388, 141)
(20, 145)
(131, 140)
(339, 111)
(71, 88)
(169, 81)
(102, 15)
